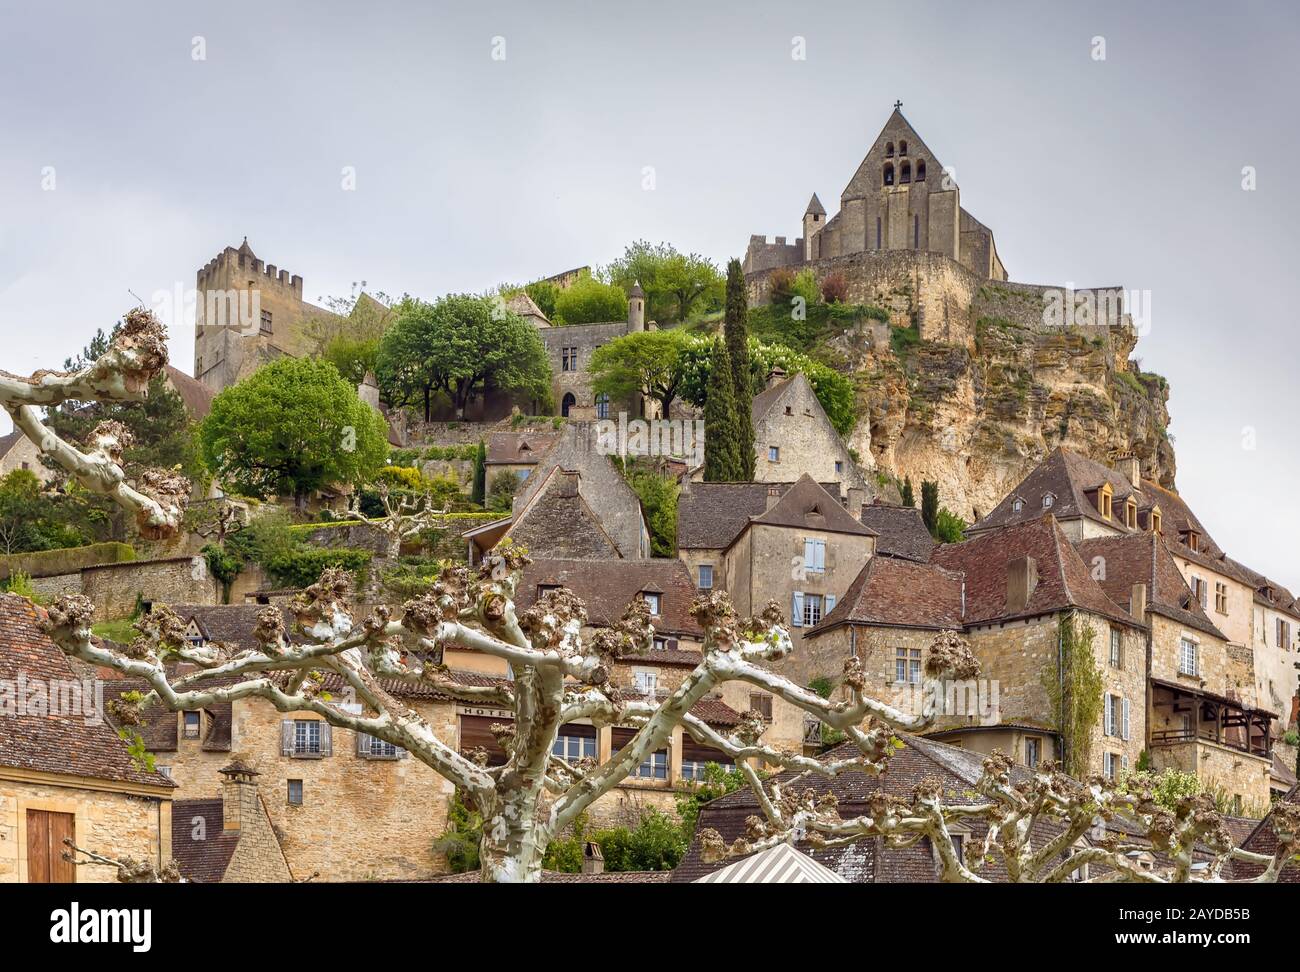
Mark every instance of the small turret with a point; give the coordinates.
(814, 218)
(636, 308)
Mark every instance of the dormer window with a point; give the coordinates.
(193, 723)
(1017, 505)
(1131, 513)
(1105, 495)
(1192, 539)
(1155, 520)
(654, 602)
(1049, 500)
(544, 589)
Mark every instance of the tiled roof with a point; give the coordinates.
(1067, 477)
(900, 531)
(66, 744)
(557, 521)
(1281, 772)
(1064, 581)
(232, 624)
(808, 506)
(1268, 592)
(1144, 559)
(1262, 840)
(202, 853)
(518, 448)
(710, 516)
(607, 587)
(888, 591)
(196, 395)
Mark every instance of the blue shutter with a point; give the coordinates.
(796, 610)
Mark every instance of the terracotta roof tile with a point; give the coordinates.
(203, 861)
(888, 591)
(607, 587)
(518, 448)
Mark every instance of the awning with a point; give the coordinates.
(781, 864)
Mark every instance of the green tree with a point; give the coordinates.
(658, 495)
(649, 363)
(736, 330)
(722, 463)
(479, 490)
(676, 285)
(322, 433)
(353, 357)
(461, 345)
(949, 527)
(909, 498)
(930, 505)
(501, 494)
(544, 294)
(589, 301)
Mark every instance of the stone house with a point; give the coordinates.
(900, 531)
(230, 839)
(516, 453)
(793, 437)
(19, 452)
(1008, 592)
(64, 772)
(792, 543)
(1274, 630)
(570, 347)
(1202, 711)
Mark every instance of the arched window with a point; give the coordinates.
(889, 150)
(905, 173)
(568, 402)
(920, 170)
(602, 406)
(902, 148)
(889, 173)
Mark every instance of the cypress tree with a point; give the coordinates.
(479, 492)
(736, 328)
(930, 505)
(721, 455)
(909, 498)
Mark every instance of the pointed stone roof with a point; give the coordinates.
(636, 290)
(815, 207)
(245, 249)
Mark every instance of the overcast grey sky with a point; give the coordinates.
(471, 171)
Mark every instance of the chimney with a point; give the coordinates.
(238, 794)
(857, 496)
(775, 377)
(636, 308)
(773, 494)
(593, 861)
(1022, 578)
(1137, 602)
(1131, 466)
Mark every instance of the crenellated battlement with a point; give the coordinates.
(235, 268)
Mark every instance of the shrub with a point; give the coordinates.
(302, 566)
(780, 286)
(805, 286)
(502, 492)
(835, 288)
(949, 527)
(402, 477)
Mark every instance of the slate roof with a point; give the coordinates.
(1145, 559)
(1268, 592)
(518, 448)
(202, 861)
(888, 591)
(710, 516)
(65, 744)
(808, 506)
(1064, 581)
(900, 531)
(557, 521)
(233, 624)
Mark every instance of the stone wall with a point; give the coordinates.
(1241, 776)
(806, 442)
(115, 589)
(1219, 674)
(115, 825)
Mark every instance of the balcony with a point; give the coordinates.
(1210, 718)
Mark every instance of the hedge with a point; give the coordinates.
(65, 560)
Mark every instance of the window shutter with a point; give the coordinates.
(830, 604)
(326, 740)
(1125, 707)
(286, 737)
(796, 610)
(1123, 764)
(363, 744)
(1108, 715)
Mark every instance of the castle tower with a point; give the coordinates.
(813, 220)
(636, 308)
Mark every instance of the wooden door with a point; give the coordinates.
(46, 831)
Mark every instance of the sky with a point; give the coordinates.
(426, 148)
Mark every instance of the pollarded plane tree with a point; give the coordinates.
(560, 675)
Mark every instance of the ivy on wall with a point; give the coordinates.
(1074, 687)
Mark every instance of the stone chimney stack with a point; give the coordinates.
(775, 376)
(593, 861)
(1022, 578)
(1137, 602)
(857, 497)
(1131, 466)
(238, 794)
(636, 308)
(368, 390)
(773, 494)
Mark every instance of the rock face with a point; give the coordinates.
(972, 382)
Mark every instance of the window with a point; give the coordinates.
(567, 403)
(1192, 539)
(569, 359)
(654, 602)
(1188, 663)
(655, 767)
(920, 170)
(1116, 648)
(1017, 505)
(902, 148)
(1104, 497)
(602, 406)
(193, 721)
(1116, 717)
(295, 793)
(368, 747)
(1033, 751)
(905, 173)
(693, 769)
(1155, 521)
(1110, 765)
(305, 738)
(706, 577)
(761, 703)
(574, 748)
(907, 665)
(266, 322)
(888, 177)
(1282, 634)
(1048, 501)
(1201, 590)
(889, 150)
(646, 682)
(1131, 514)
(839, 467)
(812, 609)
(814, 556)
(1220, 598)
(773, 453)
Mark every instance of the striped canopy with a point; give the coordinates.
(781, 864)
